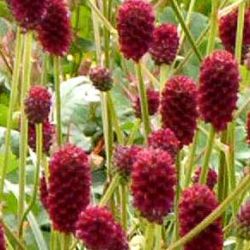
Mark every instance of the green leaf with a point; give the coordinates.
(82, 45)
(13, 161)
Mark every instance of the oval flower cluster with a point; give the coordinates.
(50, 19)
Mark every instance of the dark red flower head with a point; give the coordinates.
(98, 230)
(68, 187)
(196, 204)
(248, 128)
(135, 25)
(219, 84)
(2, 239)
(38, 104)
(153, 98)
(179, 108)
(101, 78)
(166, 140)
(48, 134)
(228, 30)
(165, 44)
(212, 177)
(28, 13)
(55, 32)
(124, 157)
(153, 182)
(243, 222)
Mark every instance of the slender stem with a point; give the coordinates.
(240, 28)
(115, 120)
(12, 235)
(108, 131)
(56, 61)
(242, 187)
(158, 234)
(185, 28)
(205, 165)
(232, 126)
(231, 166)
(222, 171)
(124, 202)
(103, 20)
(65, 242)
(3, 56)
(108, 126)
(177, 195)
(188, 19)
(143, 102)
(53, 240)
(149, 236)
(189, 54)
(96, 34)
(149, 74)
(39, 153)
(13, 97)
(24, 125)
(106, 36)
(164, 70)
(191, 158)
(213, 28)
(110, 191)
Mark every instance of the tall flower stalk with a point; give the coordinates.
(13, 99)
(56, 64)
(26, 77)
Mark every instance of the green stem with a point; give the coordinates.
(65, 242)
(240, 28)
(53, 240)
(12, 235)
(213, 28)
(108, 131)
(124, 202)
(143, 102)
(103, 20)
(24, 125)
(232, 126)
(115, 120)
(39, 153)
(185, 28)
(242, 187)
(231, 167)
(96, 34)
(56, 61)
(222, 171)
(189, 54)
(164, 70)
(209, 148)
(158, 233)
(106, 35)
(188, 19)
(5, 60)
(177, 195)
(191, 158)
(149, 236)
(110, 191)
(13, 97)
